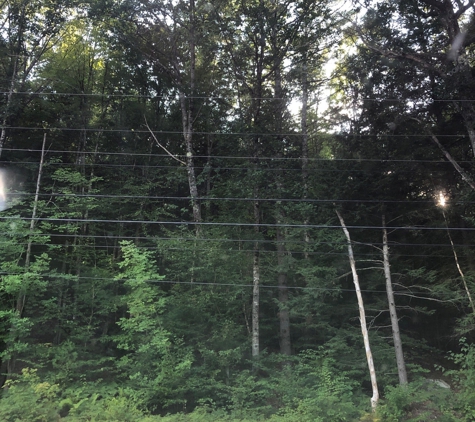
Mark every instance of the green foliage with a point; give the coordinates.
(117, 407)
(29, 399)
(144, 303)
(315, 389)
(110, 337)
(464, 378)
(421, 400)
(155, 363)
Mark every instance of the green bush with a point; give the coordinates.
(117, 409)
(464, 379)
(419, 401)
(30, 400)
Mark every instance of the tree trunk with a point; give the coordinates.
(187, 113)
(364, 329)
(255, 304)
(256, 96)
(3, 133)
(304, 129)
(401, 365)
(190, 165)
(465, 176)
(13, 81)
(22, 295)
(8, 365)
(279, 108)
(459, 268)
(255, 282)
(284, 317)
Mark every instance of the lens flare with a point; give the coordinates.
(3, 190)
(442, 200)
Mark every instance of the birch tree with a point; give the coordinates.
(364, 328)
(170, 37)
(401, 365)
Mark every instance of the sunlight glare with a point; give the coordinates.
(442, 202)
(3, 193)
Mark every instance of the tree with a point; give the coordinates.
(364, 330)
(29, 31)
(264, 37)
(149, 350)
(401, 365)
(431, 38)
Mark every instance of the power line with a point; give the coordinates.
(235, 224)
(237, 251)
(152, 96)
(171, 132)
(213, 97)
(196, 167)
(231, 157)
(202, 283)
(230, 240)
(141, 131)
(428, 101)
(235, 199)
(217, 168)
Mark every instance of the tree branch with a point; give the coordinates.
(418, 58)
(449, 157)
(462, 9)
(161, 146)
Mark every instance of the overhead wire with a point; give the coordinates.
(215, 284)
(152, 96)
(235, 157)
(235, 199)
(229, 240)
(221, 133)
(234, 224)
(224, 251)
(69, 220)
(211, 97)
(212, 169)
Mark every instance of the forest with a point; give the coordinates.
(237, 210)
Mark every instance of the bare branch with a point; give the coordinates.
(449, 157)
(418, 58)
(467, 290)
(426, 298)
(161, 146)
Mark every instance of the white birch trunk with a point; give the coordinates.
(364, 329)
(459, 268)
(255, 304)
(255, 282)
(284, 315)
(401, 365)
(304, 129)
(187, 113)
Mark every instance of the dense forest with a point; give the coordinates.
(237, 210)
